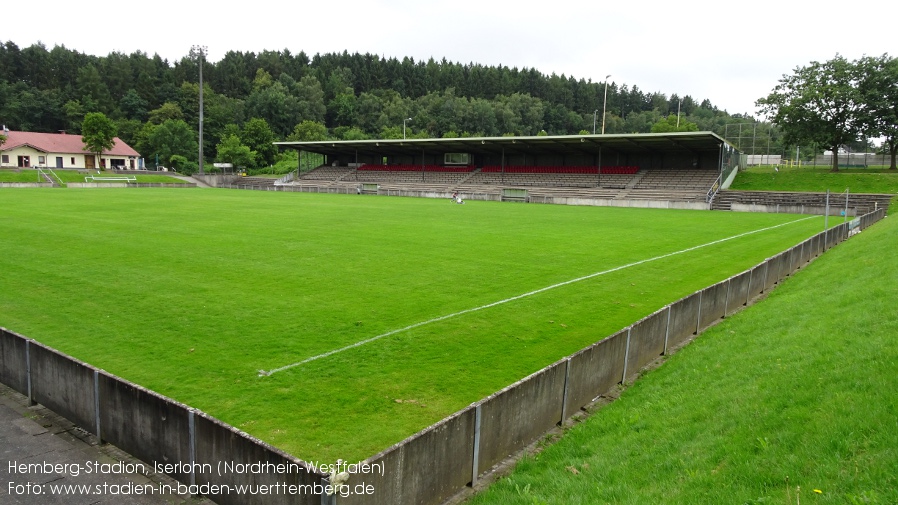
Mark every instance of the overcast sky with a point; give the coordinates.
(731, 53)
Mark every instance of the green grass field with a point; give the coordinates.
(791, 401)
(191, 293)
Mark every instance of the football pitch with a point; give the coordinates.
(333, 326)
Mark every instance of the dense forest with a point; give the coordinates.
(253, 99)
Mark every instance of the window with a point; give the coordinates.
(41, 160)
(73, 161)
(4, 159)
(456, 159)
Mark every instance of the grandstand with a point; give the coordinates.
(627, 170)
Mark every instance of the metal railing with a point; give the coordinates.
(47, 172)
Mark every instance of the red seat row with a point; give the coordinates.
(416, 168)
(626, 170)
(520, 169)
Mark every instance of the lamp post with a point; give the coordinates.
(604, 102)
(595, 114)
(679, 102)
(403, 126)
(199, 52)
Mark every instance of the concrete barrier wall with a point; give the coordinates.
(793, 259)
(737, 295)
(757, 281)
(714, 304)
(595, 370)
(64, 385)
(683, 320)
(775, 271)
(426, 468)
(647, 338)
(13, 361)
(25, 185)
(145, 424)
(217, 442)
(519, 414)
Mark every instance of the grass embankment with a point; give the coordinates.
(792, 400)
(67, 176)
(192, 293)
(818, 179)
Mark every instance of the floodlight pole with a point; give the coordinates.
(679, 102)
(403, 126)
(604, 103)
(199, 52)
(595, 115)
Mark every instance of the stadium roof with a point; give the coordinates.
(679, 142)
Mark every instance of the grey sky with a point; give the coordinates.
(730, 53)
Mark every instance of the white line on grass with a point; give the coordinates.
(263, 373)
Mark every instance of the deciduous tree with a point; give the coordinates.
(98, 133)
(231, 150)
(879, 88)
(819, 103)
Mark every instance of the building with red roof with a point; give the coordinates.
(61, 150)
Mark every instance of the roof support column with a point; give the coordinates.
(502, 166)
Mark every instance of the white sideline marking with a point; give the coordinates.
(263, 373)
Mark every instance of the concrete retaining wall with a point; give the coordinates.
(428, 467)
(151, 427)
(145, 424)
(63, 385)
(714, 303)
(217, 442)
(595, 370)
(775, 271)
(25, 185)
(683, 320)
(130, 185)
(646, 341)
(737, 296)
(14, 361)
(631, 203)
(519, 414)
(758, 281)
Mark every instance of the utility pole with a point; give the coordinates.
(199, 52)
(604, 103)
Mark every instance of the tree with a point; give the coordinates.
(879, 88)
(167, 111)
(259, 137)
(93, 91)
(308, 131)
(174, 137)
(674, 124)
(231, 150)
(819, 103)
(98, 133)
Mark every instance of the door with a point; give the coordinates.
(25, 161)
(89, 161)
(59, 162)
